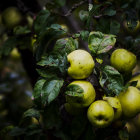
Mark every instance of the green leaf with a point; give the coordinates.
(92, 10)
(32, 113)
(60, 2)
(56, 62)
(84, 35)
(48, 35)
(99, 43)
(65, 46)
(38, 88)
(47, 73)
(74, 90)
(132, 83)
(111, 80)
(16, 131)
(83, 15)
(110, 12)
(78, 126)
(89, 134)
(114, 27)
(42, 21)
(51, 90)
(53, 117)
(33, 129)
(19, 30)
(49, 60)
(8, 46)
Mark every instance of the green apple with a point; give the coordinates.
(115, 103)
(81, 64)
(15, 55)
(123, 60)
(136, 78)
(11, 17)
(130, 102)
(72, 110)
(88, 94)
(100, 114)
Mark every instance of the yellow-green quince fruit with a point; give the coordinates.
(81, 64)
(11, 17)
(100, 114)
(115, 103)
(72, 110)
(123, 60)
(15, 55)
(136, 78)
(88, 94)
(130, 102)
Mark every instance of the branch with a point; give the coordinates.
(74, 7)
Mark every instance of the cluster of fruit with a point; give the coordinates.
(102, 113)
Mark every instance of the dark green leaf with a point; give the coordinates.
(19, 30)
(38, 87)
(33, 129)
(74, 90)
(114, 27)
(52, 115)
(132, 83)
(49, 60)
(84, 35)
(32, 113)
(49, 35)
(51, 90)
(65, 46)
(42, 21)
(109, 12)
(92, 10)
(111, 80)
(78, 125)
(16, 131)
(56, 62)
(47, 73)
(89, 133)
(60, 2)
(99, 43)
(83, 15)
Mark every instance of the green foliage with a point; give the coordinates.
(32, 113)
(50, 90)
(74, 90)
(99, 43)
(102, 29)
(111, 80)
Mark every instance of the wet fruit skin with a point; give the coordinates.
(81, 64)
(88, 97)
(100, 114)
(130, 102)
(11, 17)
(123, 60)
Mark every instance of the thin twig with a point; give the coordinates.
(74, 7)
